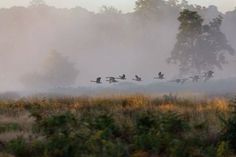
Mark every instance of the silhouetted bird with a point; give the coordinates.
(137, 78)
(195, 78)
(160, 76)
(208, 75)
(98, 80)
(111, 80)
(122, 77)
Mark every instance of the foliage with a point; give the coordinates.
(223, 149)
(153, 10)
(109, 10)
(18, 147)
(123, 127)
(6, 127)
(57, 71)
(159, 133)
(36, 3)
(229, 131)
(199, 46)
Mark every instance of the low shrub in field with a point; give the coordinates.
(223, 149)
(18, 147)
(6, 127)
(229, 130)
(60, 134)
(67, 135)
(160, 133)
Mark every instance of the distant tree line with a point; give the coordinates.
(196, 38)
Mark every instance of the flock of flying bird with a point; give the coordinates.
(196, 78)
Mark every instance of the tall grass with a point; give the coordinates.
(135, 126)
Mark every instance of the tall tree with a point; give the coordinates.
(57, 71)
(156, 9)
(199, 47)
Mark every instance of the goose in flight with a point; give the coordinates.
(208, 75)
(137, 78)
(195, 78)
(111, 80)
(122, 77)
(98, 80)
(160, 76)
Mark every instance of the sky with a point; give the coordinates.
(124, 5)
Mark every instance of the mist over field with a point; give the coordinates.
(158, 80)
(43, 47)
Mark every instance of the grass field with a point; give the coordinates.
(118, 126)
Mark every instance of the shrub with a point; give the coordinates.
(60, 133)
(158, 133)
(57, 124)
(229, 130)
(18, 147)
(6, 127)
(223, 149)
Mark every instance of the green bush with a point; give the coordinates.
(223, 149)
(6, 127)
(229, 130)
(69, 136)
(18, 147)
(159, 132)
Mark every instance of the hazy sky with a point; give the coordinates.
(124, 5)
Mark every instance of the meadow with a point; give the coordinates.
(118, 126)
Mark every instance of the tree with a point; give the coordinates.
(199, 47)
(156, 11)
(110, 10)
(149, 5)
(37, 3)
(57, 71)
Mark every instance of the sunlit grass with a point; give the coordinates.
(17, 118)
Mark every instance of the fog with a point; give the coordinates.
(102, 44)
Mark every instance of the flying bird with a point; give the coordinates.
(208, 75)
(137, 78)
(98, 80)
(111, 80)
(160, 76)
(122, 77)
(195, 78)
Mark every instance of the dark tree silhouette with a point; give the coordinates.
(199, 47)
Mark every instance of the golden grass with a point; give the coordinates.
(196, 111)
